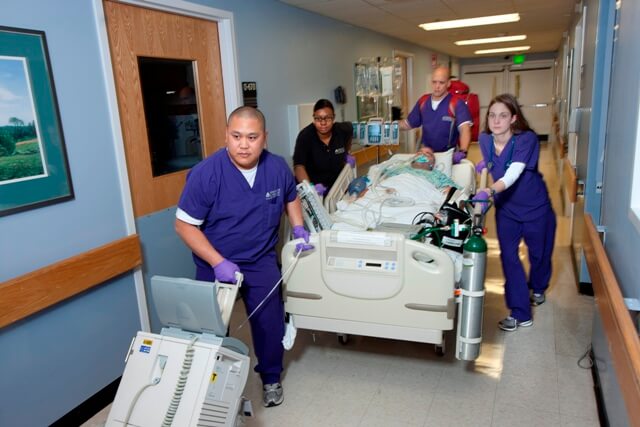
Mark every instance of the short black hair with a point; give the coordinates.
(248, 113)
(323, 103)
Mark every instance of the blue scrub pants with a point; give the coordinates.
(267, 324)
(539, 235)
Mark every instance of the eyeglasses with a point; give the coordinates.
(323, 119)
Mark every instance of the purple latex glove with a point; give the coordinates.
(458, 156)
(482, 196)
(481, 165)
(351, 160)
(225, 271)
(301, 247)
(320, 189)
(299, 232)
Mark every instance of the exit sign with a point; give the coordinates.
(518, 59)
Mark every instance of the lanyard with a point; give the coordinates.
(512, 143)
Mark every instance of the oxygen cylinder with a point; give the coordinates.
(471, 304)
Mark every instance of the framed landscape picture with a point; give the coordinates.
(34, 171)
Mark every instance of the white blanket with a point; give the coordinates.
(397, 199)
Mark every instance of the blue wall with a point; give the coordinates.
(52, 361)
(299, 57)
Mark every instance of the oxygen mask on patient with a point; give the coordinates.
(422, 161)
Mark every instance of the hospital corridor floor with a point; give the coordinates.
(530, 377)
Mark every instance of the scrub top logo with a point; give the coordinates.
(273, 194)
(339, 150)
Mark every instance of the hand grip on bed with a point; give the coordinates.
(426, 262)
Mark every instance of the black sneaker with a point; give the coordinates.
(510, 324)
(537, 299)
(272, 394)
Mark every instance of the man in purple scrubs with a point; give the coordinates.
(510, 151)
(446, 121)
(229, 216)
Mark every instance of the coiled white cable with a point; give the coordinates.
(180, 385)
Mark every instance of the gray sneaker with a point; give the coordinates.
(510, 324)
(537, 299)
(272, 394)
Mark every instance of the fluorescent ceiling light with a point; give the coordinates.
(502, 49)
(471, 22)
(491, 40)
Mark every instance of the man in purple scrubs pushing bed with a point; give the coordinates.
(229, 216)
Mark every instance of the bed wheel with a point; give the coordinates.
(343, 339)
(440, 349)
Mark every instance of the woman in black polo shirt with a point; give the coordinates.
(322, 148)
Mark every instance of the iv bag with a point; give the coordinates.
(386, 78)
(362, 88)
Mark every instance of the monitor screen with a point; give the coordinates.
(190, 305)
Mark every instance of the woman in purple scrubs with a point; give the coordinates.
(510, 150)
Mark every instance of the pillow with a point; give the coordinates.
(444, 162)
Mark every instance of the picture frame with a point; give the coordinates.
(34, 170)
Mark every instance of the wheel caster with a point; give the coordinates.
(440, 350)
(343, 339)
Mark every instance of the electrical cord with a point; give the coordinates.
(586, 357)
(134, 401)
(180, 385)
(272, 289)
(420, 217)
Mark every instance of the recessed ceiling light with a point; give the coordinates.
(491, 40)
(502, 49)
(471, 22)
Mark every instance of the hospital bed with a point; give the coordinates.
(374, 283)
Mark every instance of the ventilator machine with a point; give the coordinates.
(190, 374)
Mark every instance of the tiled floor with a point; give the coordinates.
(529, 377)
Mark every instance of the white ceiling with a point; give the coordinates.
(543, 21)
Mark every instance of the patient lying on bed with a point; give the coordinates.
(394, 191)
(422, 165)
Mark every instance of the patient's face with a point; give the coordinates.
(425, 159)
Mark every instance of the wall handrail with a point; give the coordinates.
(622, 336)
(30, 293)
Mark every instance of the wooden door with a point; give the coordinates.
(157, 54)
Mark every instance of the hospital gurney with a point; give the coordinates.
(383, 284)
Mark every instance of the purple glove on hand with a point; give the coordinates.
(299, 232)
(351, 160)
(482, 197)
(481, 165)
(458, 156)
(301, 247)
(226, 271)
(320, 189)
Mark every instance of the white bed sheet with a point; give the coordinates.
(398, 199)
